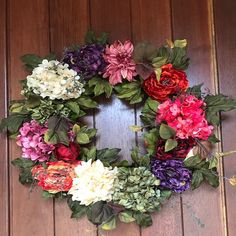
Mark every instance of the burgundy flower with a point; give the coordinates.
(181, 151)
(67, 153)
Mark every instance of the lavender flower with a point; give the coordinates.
(172, 174)
(86, 61)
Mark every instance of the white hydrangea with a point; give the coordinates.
(94, 182)
(55, 80)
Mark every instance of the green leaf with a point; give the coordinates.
(144, 52)
(99, 213)
(197, 179)
(25, 176)
(165, 194)
(211, 177)
(158, 62)
(109, 225)
(215, 104)
(166, 131)
(213, 139)
(180, 43)
(91, 132)
(76, 129)
(107, 155)
(23, 163)
(91, 38)
(46, 194)
(73, 106)
(170, 144)
(126, 216)
(86, 102)
(143, 219)
(82, 138)
(195, 90)
(51, 137)
(193, 161)
(31, 61)
(178, 58)
(77, 210)
(150, 140)
(213, 162)
(135, 128)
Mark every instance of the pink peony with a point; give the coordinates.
(120, 64)
(186, 116)
(32, 142)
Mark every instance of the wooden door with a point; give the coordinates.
(40, 26)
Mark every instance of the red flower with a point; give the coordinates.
(71, 153)
(181, 151)
(171, 82)
(57, 177)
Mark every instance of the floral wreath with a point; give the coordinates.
(178, 129)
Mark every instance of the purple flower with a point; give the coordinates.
(172, 174)
(86, 61)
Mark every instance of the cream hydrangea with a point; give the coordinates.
(94, 182)
(55, 80)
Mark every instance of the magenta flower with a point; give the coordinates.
(120, 64)
(32, 142)
(186, 116)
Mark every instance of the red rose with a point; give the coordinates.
(181, 151)
(62, 152)
(171, 82)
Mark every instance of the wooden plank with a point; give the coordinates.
(191, 20)
(68, 23)
(114, 117)
(225, 20)
(4, 187)
(28, 33)
(152, 23)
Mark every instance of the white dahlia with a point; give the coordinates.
(94, 182)
(55, 80)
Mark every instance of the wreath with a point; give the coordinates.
(58, 152)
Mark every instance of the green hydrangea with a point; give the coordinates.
(46, 109)
(136, 189)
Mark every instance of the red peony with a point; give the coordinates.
(58, 176)
(67, 153)
(171, 82)
(181, 151)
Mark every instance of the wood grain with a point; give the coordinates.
(69, 21)
(191, 20)
(225, 20)
(4, 187)
(114, 117)
(27, 33)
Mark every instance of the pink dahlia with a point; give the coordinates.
(120, 64)
(31, 140)
(186, 116)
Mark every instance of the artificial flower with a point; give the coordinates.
(67, 153)
(186, 116)
(87, 61)
(120, 64)
(55, 80)
(171, 82)
(31, 140)
(172, 174)
(93, 182)
(181, 151)
(57, 177)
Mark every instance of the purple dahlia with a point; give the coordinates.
(172, 174)
(87, 61)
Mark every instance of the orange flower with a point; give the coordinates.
(57, 177)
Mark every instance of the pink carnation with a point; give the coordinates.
(32, 142)
(186, 116)
(120, 64)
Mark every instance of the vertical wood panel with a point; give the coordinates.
(4, 195)
(114, 117)
(152, 23)
(225, 20)
(28, 33)
(191, 20)
(69, 21)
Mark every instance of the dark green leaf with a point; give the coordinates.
(108, 155)
(213, 139)
(211, 177)
(77, 209)
(91, 38)
(25, 176)
(23, 163)
(99, 213)
(195, 90)
(197, 179)
(46, 194)
(150, 140)
(31, 61)
(143, 219)
(193, 161)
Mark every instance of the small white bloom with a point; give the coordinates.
(94, 182)
(54, 80)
